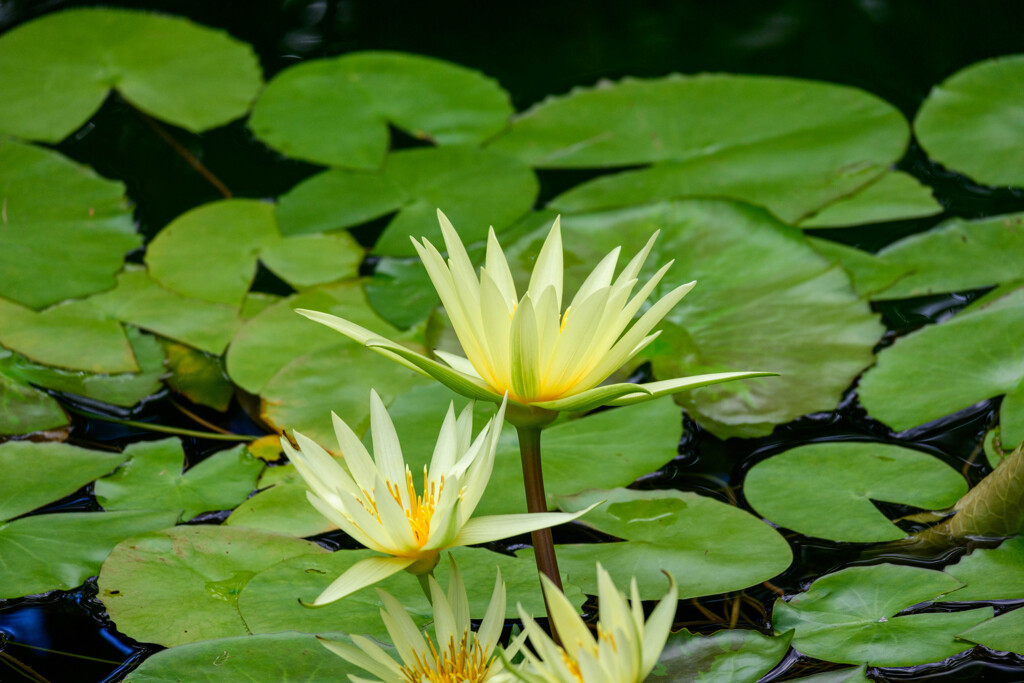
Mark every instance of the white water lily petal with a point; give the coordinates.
(653, 390)
(493, 527)
(575, 635)
(405, 636)
(356, 333)
(360, 575)
(497, 265)
(357, 459)
(494, 618)
(525, 351)
(346, 524)
(547, 272)
(361, 657)
(458, 363)
(387, 451)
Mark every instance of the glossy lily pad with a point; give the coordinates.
(65, 230)
(1004, 633)
(59, 551)
(973, 122)
(757, 279)
(736, 655)
(996, 574)
(152, 479)
(851, 616)
(336, 111)
(182, 584)
(914, 382)
(894, 196)
(708, 546)
(475, 188)
(58, 69)
(789, 145)
(826, 489)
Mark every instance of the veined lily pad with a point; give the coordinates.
(826, 489)
(914, 382)
(895, 196)
(708, 546)
(996, 574)
(475, 188)
(58, 69)
(336, 111)
(851, 616)
(65, 230)
(1004, 633)
(182, 584)
(151, 479)
(973, 122)
(737, 656)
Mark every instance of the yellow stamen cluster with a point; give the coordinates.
(463, 663)
(421, 508)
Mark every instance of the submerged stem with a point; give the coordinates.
(162, 428)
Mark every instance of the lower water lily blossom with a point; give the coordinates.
(375, 501)
(625, 649)
(460, 654)
(543, 356)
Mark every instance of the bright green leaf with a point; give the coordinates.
(868, 272)
(996, 574)
(894, 196)
(24, 410)
(737, 656)
(307, 260)
(198, 376)
(1004, 633)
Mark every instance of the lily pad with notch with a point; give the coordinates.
(991, 574)
(894, 196)
(734, 655)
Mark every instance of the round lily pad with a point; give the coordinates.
(996, 574)
(973, 122)
(826, 489)
(708, 546)
(851, 616)
(894, 196)
(58, 69)
(27, 410)
(735, 655)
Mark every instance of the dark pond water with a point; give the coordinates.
(896, 50)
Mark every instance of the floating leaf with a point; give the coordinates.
(868, 272)
(38, 473)
(1004, 633)
(59, 551)
(857, 675)
(894, 196)
(58, 69)
(65, 230)
(27, 410)
(281, 506)
(182, 584)
(972, 121)
(475, 188)
(152, 479)
(708, 546)
(850, 617)
(791, 146)
(307, 260)
(198, 376)
(914, 381)
(765, 300)
(996, 574)
(336, 111)
(401, 292)
(737, 656)
(826, 489)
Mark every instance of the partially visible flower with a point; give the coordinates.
(624, 651)
(375, 501)
(460, 655)
(530, 348)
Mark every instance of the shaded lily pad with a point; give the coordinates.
(851, 616)
(895, 196)
(59, 551)
(270, 658)
(336, 111)
(198, 376)
(914, 382)
(757, 279)
(38, 473)
(737, 656)
(825, 489)
(27, 410)
(708, 546)
(996, 574)
(972, 122)
(151, 478)
(65, 229)
(182, 584)
(868, 272)
(58, 69)
(475, 188)
(400, 291)
(1004, 633)
(855, 675)
(791, 146)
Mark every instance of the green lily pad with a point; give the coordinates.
(708, 546)
(336, 111)
(27, 410)
(791, 146)
(65, 229)
(737, 656)
(914, 382)
(856, 675)
(475, 188)
(973, 122)
(38, 473)
(307, 260)
(181, 585)
(895, 196)
(851, 617)
(281, 506)
(1011, 418)
(757, 279)
(59, 551)
(1004, 633)
(825, 489)
(868, 272)
(58, 69)
(996, 574)
(268, 658)
(198, 376)
(401, 292)
(151, 478)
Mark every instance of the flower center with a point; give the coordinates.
(462, 663)
(421, 508)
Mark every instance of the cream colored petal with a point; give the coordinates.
(567, 622)
(495, 527)
(547, 271)
(444, 527)
(356, 457)
(360, 575)
(446, 626)
(636, 264)
(467, 385)
(362, 659)
(460, 266)
(319, 469)
(674, 386)
(393, 517)
(591, 398)
(405, 636)
(599, 278)
(549, 323)
(497, 265)
(457, 362)
(370, 648)
(387, 451)
(497, 325)
(444, 448)
(357, 333)
(313, 483)
(658, 626)
(344, 522)
(494, 619)
(524, 352)
(573, 352)
(368, 522)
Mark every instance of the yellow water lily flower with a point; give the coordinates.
(460, 654)
(529, 347)
(375, 500)
(625, 649)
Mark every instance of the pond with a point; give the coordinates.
(850, 207)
